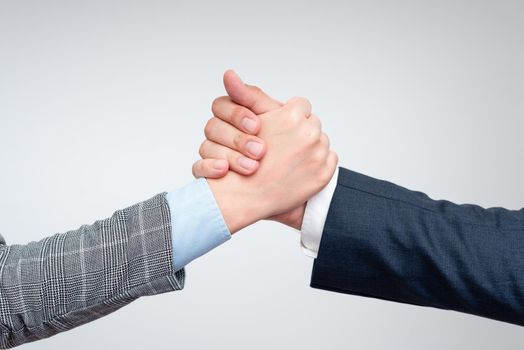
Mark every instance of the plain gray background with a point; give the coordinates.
(103, 103)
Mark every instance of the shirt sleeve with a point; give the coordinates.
(197, 225)
(315, 217)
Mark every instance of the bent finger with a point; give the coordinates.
(237, 161)
(239, 116)
(227, 135)
(210, 168)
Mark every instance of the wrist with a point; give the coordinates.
(292, 218)
(239, 207)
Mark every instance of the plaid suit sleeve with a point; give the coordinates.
(72, 278)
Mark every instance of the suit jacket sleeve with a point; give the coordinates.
(73, 278)
(384, 241)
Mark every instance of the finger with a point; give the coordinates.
(238, 116)
(324, 140)
(249, 96)
(227, 135)
(315, 120)
(210, 168)
(299, 106)
(237, 162)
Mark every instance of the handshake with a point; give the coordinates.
(270, 157)
(263, 159)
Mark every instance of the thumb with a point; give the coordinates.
(249, 96)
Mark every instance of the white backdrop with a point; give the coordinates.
(102, 104)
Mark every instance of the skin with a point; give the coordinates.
(292, 161)
(243, 102)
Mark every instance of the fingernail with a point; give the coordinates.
(219, 164)
(249, 124)
(247, 163)
(254, 148)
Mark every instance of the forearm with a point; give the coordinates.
(73, 278)
(400, 245)
(239, 206)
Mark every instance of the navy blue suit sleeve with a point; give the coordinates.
(383, 241)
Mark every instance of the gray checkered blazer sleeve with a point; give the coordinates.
(76, 277)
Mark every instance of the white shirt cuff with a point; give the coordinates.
(315, 217)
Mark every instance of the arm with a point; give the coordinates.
(384, 241)
(73, 278)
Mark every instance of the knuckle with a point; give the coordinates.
(216, 104)
(202, 149)
(318, 155)
(231, 158)
(198, 169)
(238, 114)
(324, 139)
(210, 127)
(312, 135)
(315, 120)
(194, 170)
(295, 115)
(238, 140)
(303, 102)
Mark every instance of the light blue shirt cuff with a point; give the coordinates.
(197, 225)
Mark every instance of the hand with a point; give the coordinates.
(297, 164)
(229, 120)
(229, 111)
(230, 142)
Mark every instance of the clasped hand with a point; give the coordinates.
(263, 159)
